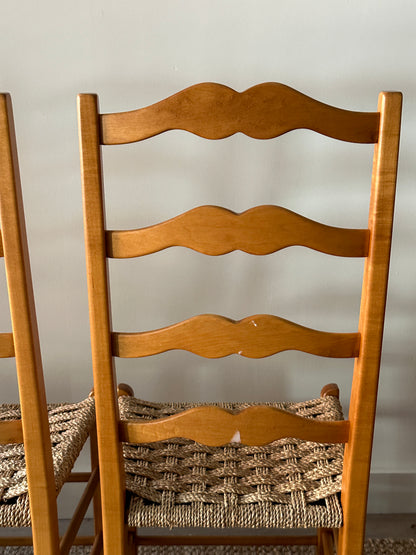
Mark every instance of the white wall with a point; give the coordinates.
(133, 53)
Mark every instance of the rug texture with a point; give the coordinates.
(372, 547)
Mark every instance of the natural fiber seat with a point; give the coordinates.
(180, 483)
(69, 426)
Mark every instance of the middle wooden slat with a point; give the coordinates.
(261, 230)
(214, 336)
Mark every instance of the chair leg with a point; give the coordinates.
(131, 542)
(97, 546)
(130, 533)
(351, 543)
(325, 544)
(98, 525)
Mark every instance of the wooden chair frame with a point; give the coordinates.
(214, 111)
(23, 343)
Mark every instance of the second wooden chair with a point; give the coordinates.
(280, 465)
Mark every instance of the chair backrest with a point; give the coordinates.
(262, 112)
(23, 344)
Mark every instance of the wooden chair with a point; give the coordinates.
(245, 471)
(36, 457)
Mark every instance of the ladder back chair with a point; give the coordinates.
(39, 443)
(152, 455)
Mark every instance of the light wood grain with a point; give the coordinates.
(11, 431)
(258, 336)
(256, 425)
(214, 111)
(23, 343)
(214, 231)
(6, 345)
(109, 448)
(39, 467)
(357, 457)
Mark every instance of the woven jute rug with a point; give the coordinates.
(372, 547)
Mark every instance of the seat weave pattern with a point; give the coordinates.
(180, 483)
(69, 426)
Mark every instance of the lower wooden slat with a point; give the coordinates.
(226, 540)
(16, 541)
(84, 540)
(27, 540)
(214, 426)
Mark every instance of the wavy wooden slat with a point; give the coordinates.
(215, 111)
(214, 231)
(256, 425)
(11, 432)
(6, 345)
(1, 245)
(214, 336)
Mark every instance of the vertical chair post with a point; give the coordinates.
(40, 474)
(357, 456)
(109, 448)
(98, 527)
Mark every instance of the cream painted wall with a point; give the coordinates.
(135, 53)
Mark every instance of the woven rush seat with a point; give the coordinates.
(69, 428)
(180, 483)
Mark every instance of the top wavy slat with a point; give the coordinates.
(215, 111)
